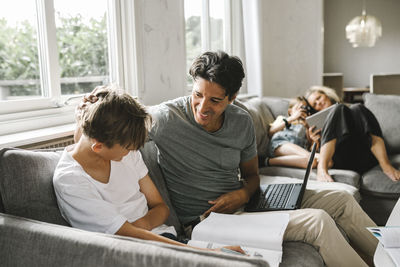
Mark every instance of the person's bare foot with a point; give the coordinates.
(323, 175)
(392, 173)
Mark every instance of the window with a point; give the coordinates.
(81, 30)
(80, 39)
(19, 62)
(53, 50)
(208, 27)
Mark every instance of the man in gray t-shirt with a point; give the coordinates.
(199, 165)
(205, 141)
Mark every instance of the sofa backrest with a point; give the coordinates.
(386, 108)
(26, 184)
(263, 112)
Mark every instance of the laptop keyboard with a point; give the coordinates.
(275, 196)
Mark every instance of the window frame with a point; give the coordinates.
(52, 109)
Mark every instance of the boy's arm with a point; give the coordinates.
(128, 229)
(158, 210)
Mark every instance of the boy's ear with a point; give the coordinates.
(97, 146)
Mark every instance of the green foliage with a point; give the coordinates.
(82, 47)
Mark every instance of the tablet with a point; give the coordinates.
(318, 119)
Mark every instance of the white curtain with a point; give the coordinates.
(252, 44)
(283, 45)
(246, 43)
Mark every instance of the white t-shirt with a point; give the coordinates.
(94, 206)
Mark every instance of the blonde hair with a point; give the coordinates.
(329, 92)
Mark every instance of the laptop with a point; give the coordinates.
(281, 196)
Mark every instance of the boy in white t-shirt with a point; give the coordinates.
(102, 183)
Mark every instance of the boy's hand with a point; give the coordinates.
(232, 249)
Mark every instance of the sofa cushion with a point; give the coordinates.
(386, 109)
(262, 117)
(26, 184)
(149, 154)
(300, 254)
(312, 184)
(342, 176)
(277, 105)
(374, 182)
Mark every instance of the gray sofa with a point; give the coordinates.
(33, 232)
(378, 193)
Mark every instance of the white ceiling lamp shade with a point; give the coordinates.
(364, 30)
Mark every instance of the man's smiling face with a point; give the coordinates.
(209, 103)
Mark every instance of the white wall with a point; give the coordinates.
(292, 46)
(161, 50)
(357, 64)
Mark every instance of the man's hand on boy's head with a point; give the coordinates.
(88, 98)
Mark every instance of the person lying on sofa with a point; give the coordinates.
(102, 184)
(205, 142)
(351, 137)
(290, 141)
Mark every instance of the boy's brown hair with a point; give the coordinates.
(116, 118)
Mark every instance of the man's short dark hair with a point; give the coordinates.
(220, 68)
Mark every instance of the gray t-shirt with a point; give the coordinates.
(198, 165)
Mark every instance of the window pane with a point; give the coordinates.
(19, 63)
(217, 14)
(193, 32)
(82, 44)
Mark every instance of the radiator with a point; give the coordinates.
(52, 143)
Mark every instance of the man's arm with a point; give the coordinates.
(232, 201)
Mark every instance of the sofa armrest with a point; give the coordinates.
(26, 242)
